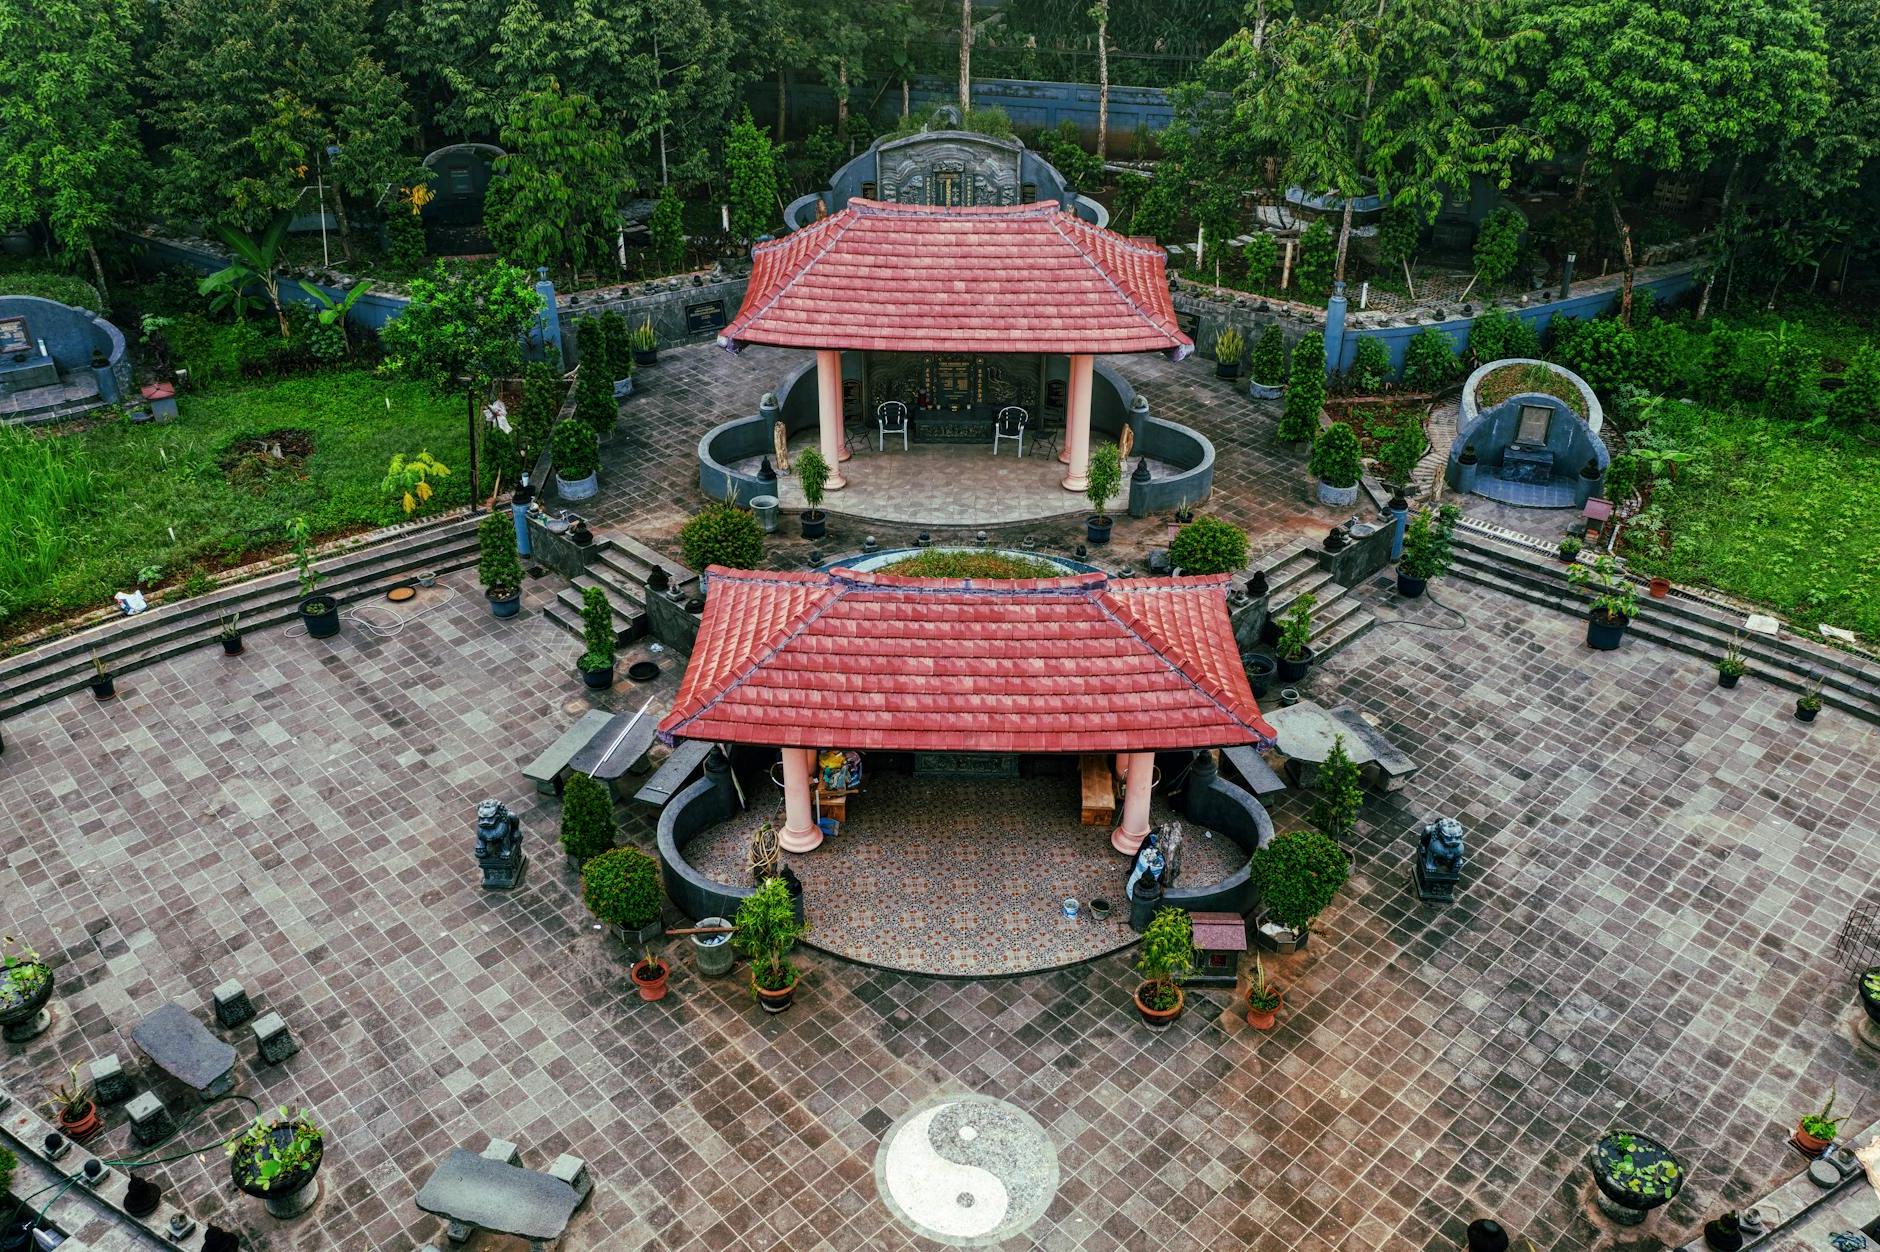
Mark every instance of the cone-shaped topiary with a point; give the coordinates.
(594, 403)
(576, 452)
(1305, 390)
(621, 888)
(587, 818)
(1269, 356)
(1339, 795)
(497, 567)
(1336, 456)
(597, 630)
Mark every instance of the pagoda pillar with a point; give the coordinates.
(1128, 837)
(800, 831)
(1077, 422)
(829, 410)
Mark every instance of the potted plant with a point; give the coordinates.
(1298, 875)
(1260, 670)
(498, 568)
(767, 928)
(1268, 364)
(621, 888)
(1104, 476)
(1228, 346)
(1808, 703)
(1568, 549)
(1167, 956)
(1815, 1131)
(1724, 1234)
(1263, 997)
(619, 343)
(1293, 654)
(597, 633)
(587, 819)
(103, 682)
(1634, 1174)
(649, 975)
(1731, 667)
(1337, 460)
(25, 987)
(577, 457)
(1867, 986)
(318, 613)
(813, 473)
(1467, 467)
(645, 344)
(76, 1110)
(1615, 602)
(230, 633)
(1426, 555)
(276, 1158)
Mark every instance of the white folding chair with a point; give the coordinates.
(1011, 425)
(890, 419)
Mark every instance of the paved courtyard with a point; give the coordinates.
(1656, 871)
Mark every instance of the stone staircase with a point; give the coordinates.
(56, 402)
(1527, 570)
(1337, 618)
(620, 568)
(125, 644)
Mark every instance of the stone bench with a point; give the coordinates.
(1257, 774)
(620, 746)
(473, 1192)
(667, 780)
(546, 770)
(1388, 769)
(182, 1047)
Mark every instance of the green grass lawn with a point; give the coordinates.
(164, 496)
(1769, 514)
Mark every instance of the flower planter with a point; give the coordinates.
(141, 1197)
(1292, 669)
(232, 647)
(1097, 529)
(815, 523)
(1804, 713)
(1635, 1174)
(1809, 1145)
(1227, 370)
(713, 953)
(643, 671)
(640, 936)
(774, 1001)
(1869, 1000)
(84, 1126)
(503, 603)
(1260, 670)
(320, 614)
(1157, 1019)
(1263, 391)
(1264, 1019)
(23, 1018)
(764, 508)
(1606, 633)
(290, 1192)
(1099, 909)
(1723, 1234)
(1660, 588)
(1337, 497)
(649, 979)
(578, 488)
(598, 679)
(1408, 587)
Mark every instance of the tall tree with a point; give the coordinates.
(1100, 14)
(556, 198)
(751, 169)
(68, 129)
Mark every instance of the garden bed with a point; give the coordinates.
(955, 564)
(1520, 379)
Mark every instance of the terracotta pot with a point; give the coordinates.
(1661, 587)
(1810, 1145)
(774, 1001)
(649, 977)
(87, 1124)
(1158, 1018)
(1263, 1019)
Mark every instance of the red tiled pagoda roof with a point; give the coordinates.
(846, 659)
(990, 278)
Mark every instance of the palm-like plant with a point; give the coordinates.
(333, 312)
(251, 263)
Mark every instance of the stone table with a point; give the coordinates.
(1307, 732)
(181, 1046)
(498, 1196)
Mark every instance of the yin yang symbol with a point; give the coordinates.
(966, 1170)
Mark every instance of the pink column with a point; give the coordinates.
(800, 831)
(1128, 837)
(1077, 423)
(829, 406)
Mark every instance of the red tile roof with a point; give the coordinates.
(992, 278)
(1084, 663)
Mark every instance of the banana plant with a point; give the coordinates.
(251, 264)
(333, 312)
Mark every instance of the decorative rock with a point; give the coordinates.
(273, 1042)
(109, 1083)
(504, 1151)
(232, 1006)
(150, 1121)
(573, 1171)
(55, 1146)
(93, 1172)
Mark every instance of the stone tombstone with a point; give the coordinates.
(1439, 861)
(948, 168)
(14, 336)
(1534, 421)
(499, 846)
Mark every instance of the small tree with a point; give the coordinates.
(587, 818)
(1429, 363)
(1318, 252)
(1426, 540)
(1858, 399)
(1167, 956)
(1336, 456)
(576, 453)
(497, 567)
(1370, 367)
(751, 169)
(1305, 391)
(408, 479)
(767, 928)
(1104, 477)
(594, 403)
(618, 342)
(1295, 629)
(621, 887)
(1340, 796)
(1498, 246)
(1299, 875)
(813, 473)
(1261, 254)
(1209, 545)
(597, 630)
(667, 227)
(1401, 448)
(722, 534)
(535, 414)
(1269, 357)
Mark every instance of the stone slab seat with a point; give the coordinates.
(1099, 789)
(673, 772)
(472, 1192)
(1388, 769)
(182, 1047)
(1258, 775)
(546, 770)
(619, 747)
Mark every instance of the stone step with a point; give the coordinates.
(1331, 622)
(1341, 632)
(629, 617)
(1318, 584)
(624, 551)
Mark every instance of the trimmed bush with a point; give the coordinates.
(1318, 252)
(1370, 367)
(1104, 477)
(1209, 545)
(1261, 254)
(597, 630)
(1299, 875)
(594, 403)
(1603, 352)
(535, 413)
(497, 567)
(1269, 357)
(577, 452)
(1166, 957)
(587, 818)
(1305, 390)
(1429, 363)
(1336, 457)
(621, 888)
(722, 534)
(1496, 335)
(1339, 793)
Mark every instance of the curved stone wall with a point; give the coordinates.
(1225, 809)
(71, 336)
(1572, 439)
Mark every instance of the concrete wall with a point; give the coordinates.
(1030, 103)
(71, 336)
(1228, 810)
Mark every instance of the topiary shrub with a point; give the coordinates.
(1336, 457)
(1370, 367)
(535, 413)
(594, 403)
(1603, 352)
(1260, 254)
(1498, 246)
(621, 888)
(1209, 545)
(598, 635)
(1299, 875)
(1305, 391)
(722, 534)
(587, 818)
(1497, 335)
(577, 453)
(619, 351)
(497, 567)
(1429, 363)
(1269, 357)
(1318, 252)
(1339, 793)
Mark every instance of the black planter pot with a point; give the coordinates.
(1868, 1000)
(321, 614)
(15, 1017)
(503, 603)
(1097, 529)
(1293, 670)
(1605, 634)
(1269, 631)
(815, 523)
(1260, 670)
(649, 356)
(1223, 370)
(1722, 1236)
(643, 671)
(286, 1195)
(104, 688)
(1408, 587)
(232, 647)
(598, 679)
(1803, 714)
(1728, 680)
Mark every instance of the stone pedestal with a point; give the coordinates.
(109, 1083)
(671, 624)
(274, 1043)
(573, 1171)
(505, 1151)
(1363, 556)
(285, 1207)
(31, 1028)
(1867, 1031)
(1618, 1214)
(150, 1121)
(557, 551)
(232, 1006)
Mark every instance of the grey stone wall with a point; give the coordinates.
(679, 310)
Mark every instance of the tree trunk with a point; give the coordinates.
(1103, 82)
(842, 100)
(783, 102)
(1344, 242)
(966, 59)
(904, 100)
(1625, 244)
(345, 225)
(1724, 234)
(97, 271)
(1259, 24)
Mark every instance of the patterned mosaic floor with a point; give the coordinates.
(962, 877)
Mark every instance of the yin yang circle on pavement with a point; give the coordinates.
(966, 1170)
